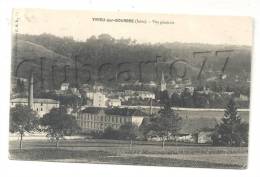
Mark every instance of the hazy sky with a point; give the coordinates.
(186, 28)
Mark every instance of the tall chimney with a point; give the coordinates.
(30, 95)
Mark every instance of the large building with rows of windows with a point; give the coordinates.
(98, 119)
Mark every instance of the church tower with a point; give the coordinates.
(163, 83)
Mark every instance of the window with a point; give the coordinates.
(41, 104)
(41, 109)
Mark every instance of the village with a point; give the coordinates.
(97, 108)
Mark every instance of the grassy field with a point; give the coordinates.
(120, 152)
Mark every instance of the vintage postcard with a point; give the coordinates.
(130, 88)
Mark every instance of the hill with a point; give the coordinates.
(102, 49)
(34, 54)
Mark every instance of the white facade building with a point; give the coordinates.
(99, 99)
(145, 95)
(113, 102)
(39, 105)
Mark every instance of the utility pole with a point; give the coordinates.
(151, 106)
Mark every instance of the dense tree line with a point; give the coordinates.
(198, 100)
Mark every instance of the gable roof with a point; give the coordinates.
(124, 112)
(92, 110)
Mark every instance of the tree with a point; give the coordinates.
(231, 131)
(58, 123)
(166, 123)
(144, 128)
(20, 86)
(187, 100)
(176, 100)
(22, 119)
(164, 97)
(200, 100)
(128, 131)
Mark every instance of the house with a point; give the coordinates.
(151, 84)
(98, 87)
(90, 95)
(190, 89)
(75, 91)
(41, 106)
(98, 119)
(228, 93)
(113, 102)
(131, 94)
(243, 97)
(64, 86)
(99, 99)
(204, 137)
(145, 95)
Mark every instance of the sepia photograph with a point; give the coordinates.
(130, 88)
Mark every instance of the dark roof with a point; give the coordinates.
(92, 110)
(114, 111)
(124, 112)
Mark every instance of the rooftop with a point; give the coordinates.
(114, 111)
(35, 100)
